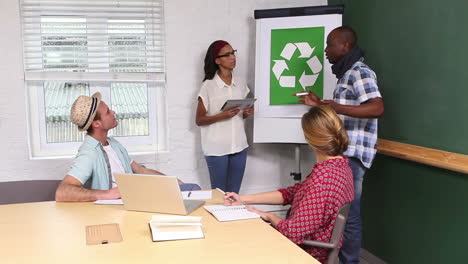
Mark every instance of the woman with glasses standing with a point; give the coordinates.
(223, 138)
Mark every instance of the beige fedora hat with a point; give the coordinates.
(84, 110)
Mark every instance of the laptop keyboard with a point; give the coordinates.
(191, 205)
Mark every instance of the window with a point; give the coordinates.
(78, 47)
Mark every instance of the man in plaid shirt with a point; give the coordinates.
(358, 102)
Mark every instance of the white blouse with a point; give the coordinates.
(227, 136)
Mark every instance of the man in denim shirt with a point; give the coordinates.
(90, 177)
(358, 102)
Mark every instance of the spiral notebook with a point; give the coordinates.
(230, 213)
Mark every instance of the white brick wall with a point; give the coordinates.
(190, 27)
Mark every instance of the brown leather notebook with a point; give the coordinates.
(103, 234)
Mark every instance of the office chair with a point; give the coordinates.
(337, 232)
(28, 191)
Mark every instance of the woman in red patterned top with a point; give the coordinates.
(315, 201)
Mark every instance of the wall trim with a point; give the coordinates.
(434, 157)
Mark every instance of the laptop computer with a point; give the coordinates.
(154, 193)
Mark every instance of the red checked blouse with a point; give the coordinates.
(315, 204)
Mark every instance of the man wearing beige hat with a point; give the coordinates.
(90, 177)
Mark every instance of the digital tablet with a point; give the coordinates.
(241, 103)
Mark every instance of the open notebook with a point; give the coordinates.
(230, 213)
(175, 227)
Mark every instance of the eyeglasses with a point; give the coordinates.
(228, 54)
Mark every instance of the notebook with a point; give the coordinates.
(154, 193)
(197, 195)
(230, 213)
(103, 234)
(175, 227)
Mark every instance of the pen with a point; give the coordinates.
(221, 191)
(301, 94)
(189, 193)
(224, 193)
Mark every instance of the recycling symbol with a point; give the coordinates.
(305, 53)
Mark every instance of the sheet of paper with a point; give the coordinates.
(116, 201)
(197, 195)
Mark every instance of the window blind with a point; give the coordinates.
(100, 36)
(78, 47)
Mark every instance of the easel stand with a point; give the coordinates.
(297, 173)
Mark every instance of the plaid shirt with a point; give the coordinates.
(358, 85)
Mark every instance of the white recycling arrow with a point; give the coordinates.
(307, 80)
(288, 51)
(279, 67)
(304, 49)
(314, 64)
(287, 81)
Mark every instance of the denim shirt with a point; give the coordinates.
(90, 166)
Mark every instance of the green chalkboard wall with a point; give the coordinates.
(414, 213)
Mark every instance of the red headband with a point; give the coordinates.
(219, 45)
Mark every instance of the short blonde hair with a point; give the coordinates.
(324, 130)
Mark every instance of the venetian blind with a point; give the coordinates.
(93, 39)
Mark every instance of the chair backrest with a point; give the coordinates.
(28, 191)
(338, 229)
(335, 238)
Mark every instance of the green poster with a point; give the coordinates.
(296, 63)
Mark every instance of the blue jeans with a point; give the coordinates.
(226, 172)
(189, 187)
(349, 252)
